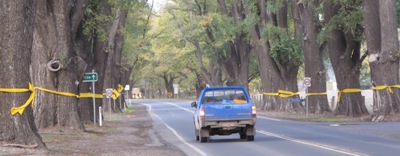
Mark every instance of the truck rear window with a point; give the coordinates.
(224, 96)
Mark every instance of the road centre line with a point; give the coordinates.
(176, 133)
(327, 147)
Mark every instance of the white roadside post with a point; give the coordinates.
(127, 88)
(92, 77)
(100, 119)
(307, 83)
(176, 91)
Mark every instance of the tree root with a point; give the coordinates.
(21, 145)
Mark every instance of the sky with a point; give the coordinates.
(157, 4)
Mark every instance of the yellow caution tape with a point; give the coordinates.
(384, 87)
(282, 93)
(348, 90)
(90, 95)
(312, 94)
(21, 109)
(285, 93)
(57, 92)
(271, 94)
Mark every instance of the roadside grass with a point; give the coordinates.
(320, 118)
(130, 108)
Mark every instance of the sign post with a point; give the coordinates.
(92, 77)
(307, 83)
(176, 87)
(109, 93)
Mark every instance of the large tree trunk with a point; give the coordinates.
(55, 32)
(236, 64)
(275, 75)
(168, 83)
(118, 70)
(344, 52)
(112, 27)
(313, 58)
(16, 35)
(383, 48)
(270, 77)
(100, 55)
(288, 69)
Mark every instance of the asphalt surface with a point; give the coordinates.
(173, 120)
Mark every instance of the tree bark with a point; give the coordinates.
(344, 52)
(118, 70)
(313, 57)
(270, 76)
(168, 83)
(383, 47)
(54, 37)
(236, 64)
(16, 36)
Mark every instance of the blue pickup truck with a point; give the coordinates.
(224, 111)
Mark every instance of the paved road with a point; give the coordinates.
(173, 121)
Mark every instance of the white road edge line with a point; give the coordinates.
(175, 133)
(331, 148)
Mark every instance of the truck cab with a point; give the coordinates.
(224, 111)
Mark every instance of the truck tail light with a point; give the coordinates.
(202, 112)
(253, 110)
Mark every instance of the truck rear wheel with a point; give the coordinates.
(204, 134)
(242, 133)
(243, 136)
(197, 134)
(250, 132)
(250, 138)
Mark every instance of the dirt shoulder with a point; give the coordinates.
(121, 134)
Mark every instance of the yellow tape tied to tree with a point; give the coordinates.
(21, 109)
(348, 90)
(58, 93)
(90, 95)
(32, 89)
(270, 94)
(282, 93)
(384, 87)
(285, 93)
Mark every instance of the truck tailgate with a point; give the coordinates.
(227, 111)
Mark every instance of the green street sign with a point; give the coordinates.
(90, 77)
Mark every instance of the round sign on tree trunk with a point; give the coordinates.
(307, 81)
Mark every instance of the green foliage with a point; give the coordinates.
(348, 19)
(252, 19)
(96, 22)
(365, 75)
(398, 12)
(274, 5)
(284, 49)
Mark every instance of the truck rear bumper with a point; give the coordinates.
(228, 124)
